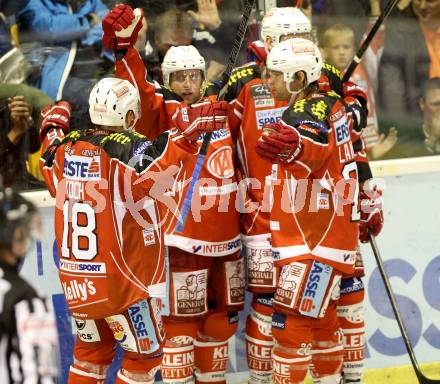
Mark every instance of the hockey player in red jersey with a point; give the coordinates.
(314, 217)
(206, 269)
(254, 105)
(110, 183)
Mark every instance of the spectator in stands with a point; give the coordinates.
(165, 37)
(409, 59)
(18, 138)
(215, 25)
(203, 23)
(354, 13)
(5, 39)
(430, 106)
(338, 46)
(72, 29)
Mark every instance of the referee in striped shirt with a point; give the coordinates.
(28, 337)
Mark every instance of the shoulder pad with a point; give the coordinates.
(211, 89)
(331, 79)
(134, 149)
(239, 78)
(167, 93)
(313, 111)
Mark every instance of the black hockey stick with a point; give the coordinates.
(186, 206)
(422, 378)
(365, 44)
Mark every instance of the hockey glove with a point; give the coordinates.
(55, 116)
(350, 89)
(371, 212)
(121, 27)
(279, 143)
(205, 116)
(256, 51)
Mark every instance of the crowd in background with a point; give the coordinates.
(52, 50)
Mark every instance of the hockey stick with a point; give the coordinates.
(422, 378)
(186, 206)
(365, 44)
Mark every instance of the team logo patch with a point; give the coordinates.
(190, 292)
(260, 267)
(278, 320)
(260, 91)
(323, 201)
(148, 236)
(288, 290)
(142, 320)
(220, 163)
(265, 299)
(122, 332)
(235, 281)
(82, 168)
(87, 331)
(315, 289)
(262, 103)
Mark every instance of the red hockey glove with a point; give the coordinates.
(205, 116)
(279, 143)
(350, 89)
(121, 27)
(371, 212)
(256, 51)
(55, 116)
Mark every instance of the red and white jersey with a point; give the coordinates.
(212, 228)
(315, 201)
(109, 189)
(254, 107)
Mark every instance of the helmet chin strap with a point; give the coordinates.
(293, 94)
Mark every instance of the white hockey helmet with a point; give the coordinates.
(111, 99)
(182, 58)
(283, 21)
(293, 55)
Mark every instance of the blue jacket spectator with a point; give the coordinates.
(58, 23)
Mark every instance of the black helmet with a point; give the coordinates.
(15, 211)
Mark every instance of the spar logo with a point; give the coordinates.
(220, 163)
(269, 116)
(140, 317)
(118, 330)
(315, 289)
(82, 168)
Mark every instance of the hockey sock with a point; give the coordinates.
(178, 363)
(259, 344)
(288, 365)
(81, 375)
(211, 360)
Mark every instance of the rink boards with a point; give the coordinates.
(410, 247)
